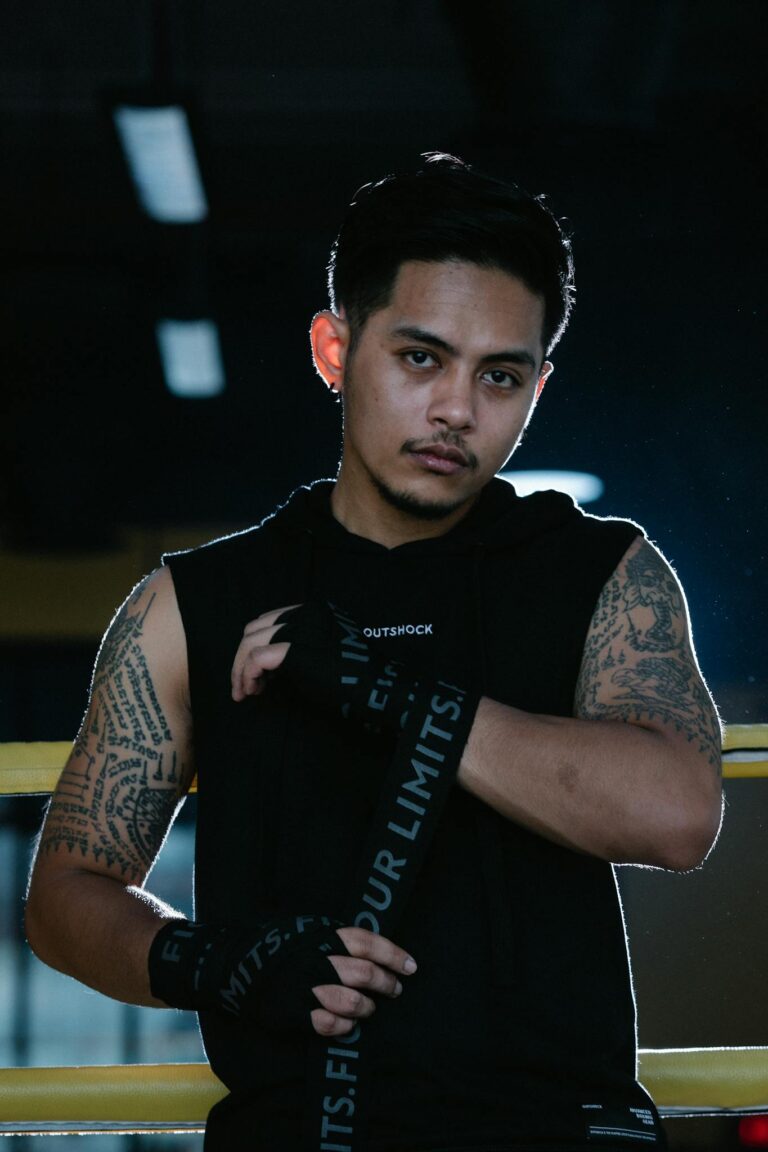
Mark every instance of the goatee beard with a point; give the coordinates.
(412, 506)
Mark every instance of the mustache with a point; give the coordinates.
(449, 440)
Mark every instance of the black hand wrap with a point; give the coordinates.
(331, 662)
(417, 785)
(265, 974)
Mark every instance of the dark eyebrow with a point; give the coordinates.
(509, 356)
(423, 337)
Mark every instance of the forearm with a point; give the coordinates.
(616, 790)
(97, 930)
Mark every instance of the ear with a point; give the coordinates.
(547, 369)
(329, 335)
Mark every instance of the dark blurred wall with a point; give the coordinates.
(645, 125)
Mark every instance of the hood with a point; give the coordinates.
(500, 519)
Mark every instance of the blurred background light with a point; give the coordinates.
(158, 146)
(191, 357)
(753, 1132)
(583, 487)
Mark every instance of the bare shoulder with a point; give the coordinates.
(145, 648)
(131, 763)
(639, 663)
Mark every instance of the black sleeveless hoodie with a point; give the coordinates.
(518, 1030)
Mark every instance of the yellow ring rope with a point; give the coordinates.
(31, 769)
(164, 1097)
(142, 1096)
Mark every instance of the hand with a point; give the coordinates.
(375, 964)
(256, 655)
(324, 656)
(277, 972)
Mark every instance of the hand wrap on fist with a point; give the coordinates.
(264, 974)
(330, 662)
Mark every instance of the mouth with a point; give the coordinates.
(444, 459)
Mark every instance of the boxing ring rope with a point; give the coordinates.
(147, 1098)
(33, 769)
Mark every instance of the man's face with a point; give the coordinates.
(440, 387)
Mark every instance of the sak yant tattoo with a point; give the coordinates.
(638, 643)
(122, 784)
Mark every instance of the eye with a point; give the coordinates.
(500, 378)
(419, 358)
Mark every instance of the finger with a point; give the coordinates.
(370, 946)
(346, 1002)
(266, 620)
(248, 676)
(365, 974)
(251, 661)
(326, 1024)
(252, 642)
(256, 635)
(250, 665)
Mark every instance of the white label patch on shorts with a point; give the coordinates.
(605, 1124)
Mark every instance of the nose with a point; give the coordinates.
(452, 402)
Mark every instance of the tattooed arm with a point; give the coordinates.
(87, 911)
(635, 776)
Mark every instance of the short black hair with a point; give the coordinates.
(446, 210)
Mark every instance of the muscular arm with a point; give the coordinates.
(634, 777)
(87, 911)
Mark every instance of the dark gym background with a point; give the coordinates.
(644, 121)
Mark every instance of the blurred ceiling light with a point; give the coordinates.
(582, 486)
(191, 357)
(158, 146)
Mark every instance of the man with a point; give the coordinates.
(426, 715)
